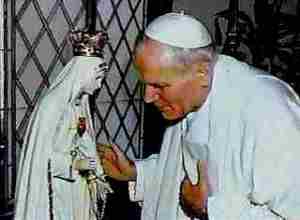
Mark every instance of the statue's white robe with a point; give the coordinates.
(49, 136)
(252, 149)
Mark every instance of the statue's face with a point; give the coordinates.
(94, 74)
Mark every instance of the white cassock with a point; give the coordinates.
(249, 133)
(50, 135)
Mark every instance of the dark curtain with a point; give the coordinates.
(154, 124)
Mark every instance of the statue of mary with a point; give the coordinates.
(59, 175)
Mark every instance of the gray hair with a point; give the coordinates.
(184, 57)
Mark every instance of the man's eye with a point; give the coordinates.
(162, 86)
(154, 85)
(159, 86)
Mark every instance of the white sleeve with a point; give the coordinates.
(275, 176)
(145, 169)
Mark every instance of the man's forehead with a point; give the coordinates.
(159, 76)
(154, 59)
(154, 54)
(149, 57)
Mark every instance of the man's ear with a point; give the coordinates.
(203, 79)
(202, 74)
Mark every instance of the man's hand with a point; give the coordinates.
(115, 164)
(193, 198)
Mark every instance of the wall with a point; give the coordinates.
(205, 10)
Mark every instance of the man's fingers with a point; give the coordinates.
(186, 187)
(108, 155)
(186, 181)
(117, 150)
(193, 197)
(105, 152)
(112, 170)
(109, 167)
(101, 147)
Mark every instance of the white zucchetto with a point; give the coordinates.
(179, 30)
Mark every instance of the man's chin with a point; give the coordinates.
(170, 116)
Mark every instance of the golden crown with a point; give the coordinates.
(88, 44)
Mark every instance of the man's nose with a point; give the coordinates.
(151, 94)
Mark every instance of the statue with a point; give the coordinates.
(59, 176)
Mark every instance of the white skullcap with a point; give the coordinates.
(179, 30)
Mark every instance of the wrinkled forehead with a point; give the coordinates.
(148, 53)
(154, 58)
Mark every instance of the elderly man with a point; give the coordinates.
(232, 150)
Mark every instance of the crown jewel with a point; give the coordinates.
(88, 44)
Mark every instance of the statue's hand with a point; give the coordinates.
(85, 164)
(115, 163)
(193, 197)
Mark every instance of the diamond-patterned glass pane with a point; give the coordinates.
(72, 8)
(106, 9)
(122, 56)
(26, 22)
(59, 26)
(22, 51)
(46, 7)
(30, 80)
(114, 80)
(132, 80)
(114, 33)
(45, 51)
(124, 13)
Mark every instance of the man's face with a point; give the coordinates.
(174, 96)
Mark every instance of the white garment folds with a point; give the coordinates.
(253, 151)
(49, 136)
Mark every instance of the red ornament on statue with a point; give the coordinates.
(81, 126)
